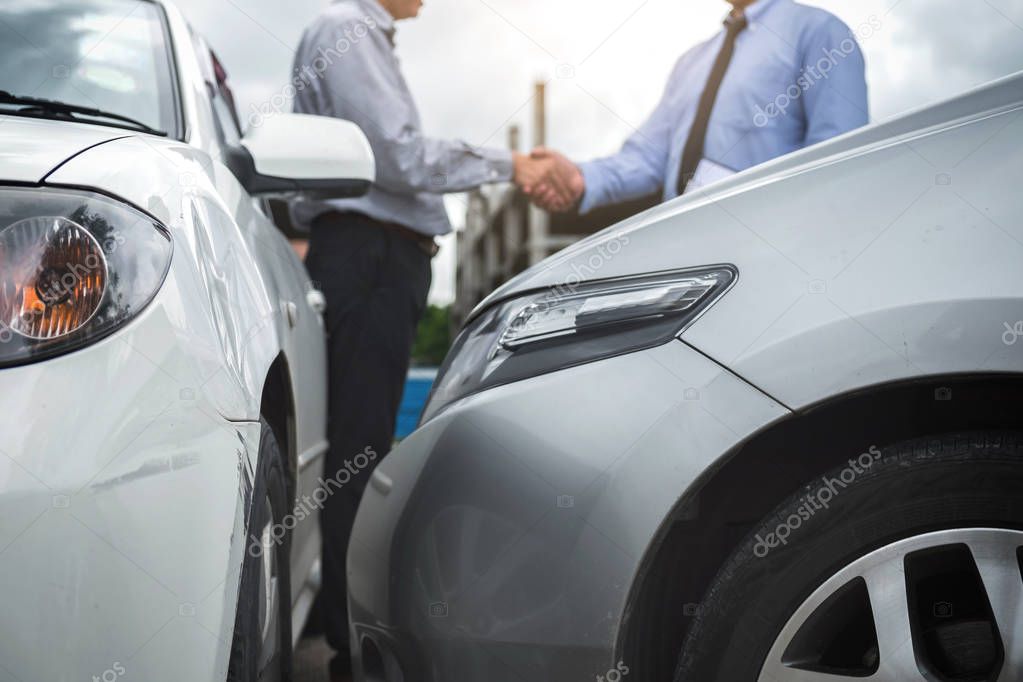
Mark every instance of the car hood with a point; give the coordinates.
(31, 148)
(658, 231)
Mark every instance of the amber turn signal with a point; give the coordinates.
(53, 275)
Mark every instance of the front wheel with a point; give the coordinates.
(261, 648)
(905, 565)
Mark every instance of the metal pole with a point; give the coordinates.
(539, 221)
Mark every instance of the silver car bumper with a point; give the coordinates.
(501, 540)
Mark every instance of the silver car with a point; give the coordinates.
(768, 431)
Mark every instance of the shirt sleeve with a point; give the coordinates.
(837, 103)
(365, 87)
(640, 168)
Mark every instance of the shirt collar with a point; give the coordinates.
(755, 11)
(376, 11)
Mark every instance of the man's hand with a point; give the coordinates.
(563, 186)
(552, 181)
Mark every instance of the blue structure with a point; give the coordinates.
(417, 390)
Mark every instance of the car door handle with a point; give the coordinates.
(316, 300)
(290, 311)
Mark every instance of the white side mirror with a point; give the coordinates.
(291, 153)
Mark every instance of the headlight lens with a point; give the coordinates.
(74, 266)
(567, 326)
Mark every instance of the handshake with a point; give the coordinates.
(548, 178)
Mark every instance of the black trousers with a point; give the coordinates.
(376, 281)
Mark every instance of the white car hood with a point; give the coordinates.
(31, 148)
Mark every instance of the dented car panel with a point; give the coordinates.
(122, 516)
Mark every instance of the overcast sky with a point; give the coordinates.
(471, 63)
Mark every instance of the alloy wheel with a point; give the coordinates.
(941, 606)
(269, 602)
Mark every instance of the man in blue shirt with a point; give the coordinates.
(780, 76)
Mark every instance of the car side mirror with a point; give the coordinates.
(290, 153)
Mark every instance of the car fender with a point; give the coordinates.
(239, 335)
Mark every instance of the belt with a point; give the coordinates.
(427, 244)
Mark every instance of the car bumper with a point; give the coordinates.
(123, 495)
(501, 540)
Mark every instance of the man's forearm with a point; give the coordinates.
(618, 178)
(440, 166)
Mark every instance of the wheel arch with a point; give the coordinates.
(277, 407)
(722, 506)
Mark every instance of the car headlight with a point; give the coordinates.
(74, 266)
(566, 326)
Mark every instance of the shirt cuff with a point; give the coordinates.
(594, 180)
(498, 164)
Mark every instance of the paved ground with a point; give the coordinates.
(311, 661)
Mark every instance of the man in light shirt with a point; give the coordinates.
(371, 256)
(780, 76)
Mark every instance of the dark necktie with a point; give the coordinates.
(693, 152)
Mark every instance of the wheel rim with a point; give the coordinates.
(944, 605)
(269, 603)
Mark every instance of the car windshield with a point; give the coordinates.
(103, 54)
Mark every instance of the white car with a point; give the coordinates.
(163, 383)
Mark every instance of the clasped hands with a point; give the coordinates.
(548, 178)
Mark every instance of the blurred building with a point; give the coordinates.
(504, 234)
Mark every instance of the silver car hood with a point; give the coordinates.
(31, 148)
(565, 266)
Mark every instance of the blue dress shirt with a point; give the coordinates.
(796, 78)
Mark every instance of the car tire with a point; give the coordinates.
(261, 647)
(800, 597)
